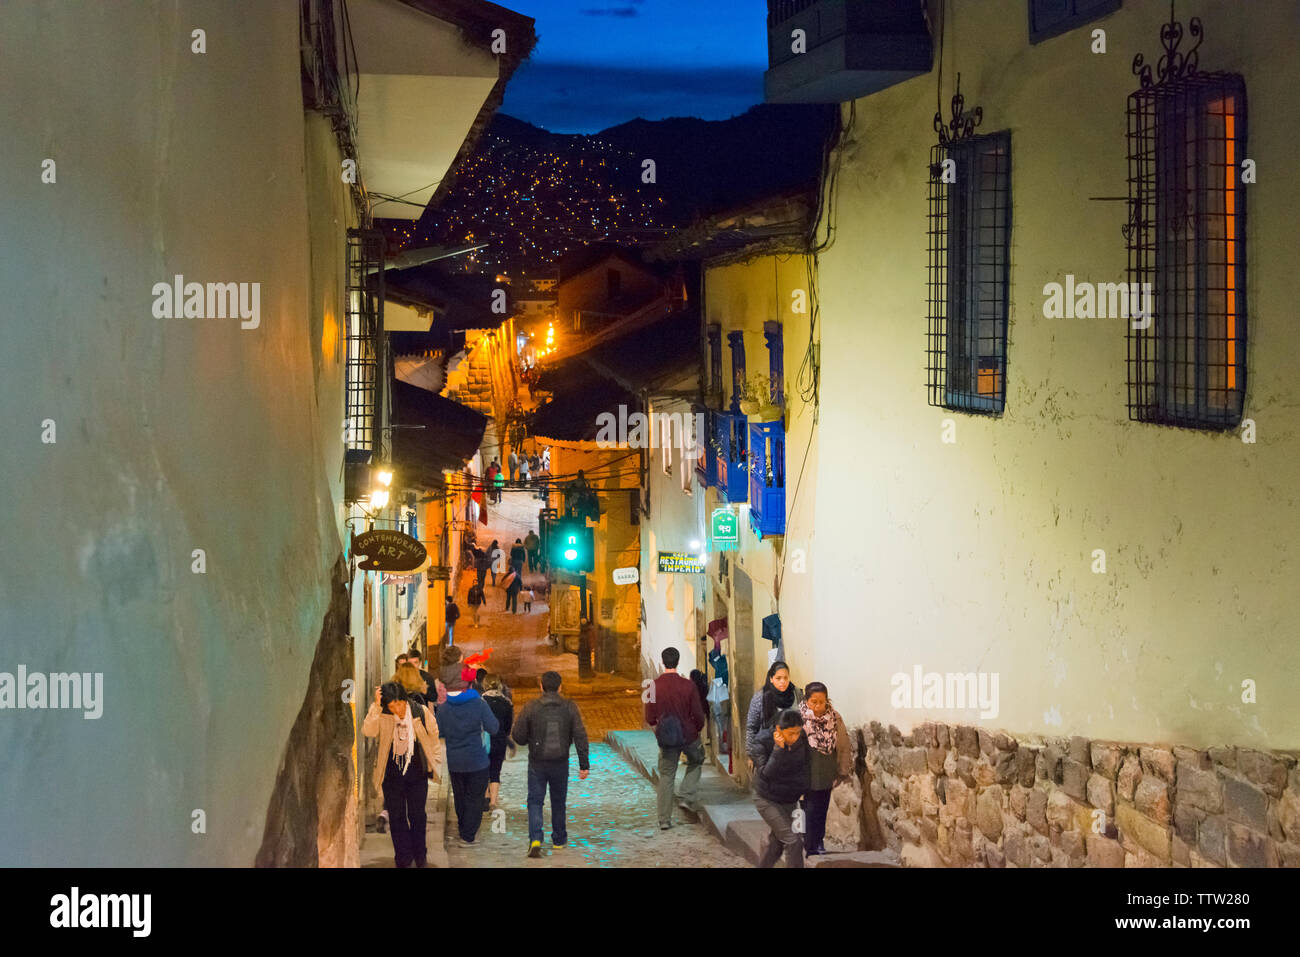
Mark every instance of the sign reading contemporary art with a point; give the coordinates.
(680, 562)
(653, 431)
(388, 550)
(63, 691)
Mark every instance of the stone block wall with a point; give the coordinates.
(979, 798)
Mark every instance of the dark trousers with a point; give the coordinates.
(512, 600)
(541, 775)
(468, 789)
(780, 819)
(404, 799)
(815, 806)
(496, 758)
(534, 563)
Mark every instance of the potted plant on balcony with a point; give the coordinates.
(756, 400)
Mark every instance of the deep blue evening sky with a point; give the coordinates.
(599, 63)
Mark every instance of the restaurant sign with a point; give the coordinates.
(680, 562)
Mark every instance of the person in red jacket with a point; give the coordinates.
(673, 709)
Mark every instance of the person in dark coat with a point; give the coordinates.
(550, 726)
(504, 710)
(782, 774)
(512, 593)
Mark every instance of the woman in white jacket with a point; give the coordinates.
(410, 752)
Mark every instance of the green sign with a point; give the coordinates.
(726, 530)
(680, 562)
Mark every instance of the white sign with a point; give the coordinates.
(626, 576)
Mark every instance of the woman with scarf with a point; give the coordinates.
(409, 753)
(832, 760)
(778, 694)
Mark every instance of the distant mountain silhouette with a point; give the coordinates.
(534, 195)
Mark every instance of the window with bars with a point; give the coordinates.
(364, 367)
(969, 273)
(1187, 246)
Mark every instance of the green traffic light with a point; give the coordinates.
(571, 554)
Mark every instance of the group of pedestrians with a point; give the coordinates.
(520, 469)
(798, 748)
(466, 717)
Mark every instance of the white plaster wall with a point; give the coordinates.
(976, 556)
(172, 434)
(677, 519)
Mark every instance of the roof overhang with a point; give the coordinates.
(421, 88)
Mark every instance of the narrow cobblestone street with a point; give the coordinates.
(612, 822)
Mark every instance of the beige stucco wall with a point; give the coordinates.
(743, 296)
(171, 434)
(976, 556)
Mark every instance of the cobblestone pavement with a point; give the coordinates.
(612, 823)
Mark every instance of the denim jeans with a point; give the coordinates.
(669, 758)
(541, 775)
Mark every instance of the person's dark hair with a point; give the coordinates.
(391, 691)
(789, 719)
(701, 683)
(813, 687)
(771, 704)
(480, 674)
(670, 657)
(519, 541)
(551, 681)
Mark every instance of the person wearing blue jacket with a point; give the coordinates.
(462, 720)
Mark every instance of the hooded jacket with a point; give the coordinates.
(462, 719)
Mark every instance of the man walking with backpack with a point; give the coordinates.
(675, 713)
(549, 725)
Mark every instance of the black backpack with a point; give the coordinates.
(669, 731)
(554, 732)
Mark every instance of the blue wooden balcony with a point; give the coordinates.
(767, 477)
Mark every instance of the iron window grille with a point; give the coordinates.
(1186, 240)
(366, 360)
(969, 264)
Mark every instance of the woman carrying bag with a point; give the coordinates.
(410, 752)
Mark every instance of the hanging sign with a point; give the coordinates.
(626, 576)
(388, 550)
(680, 562)
(725, 530)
